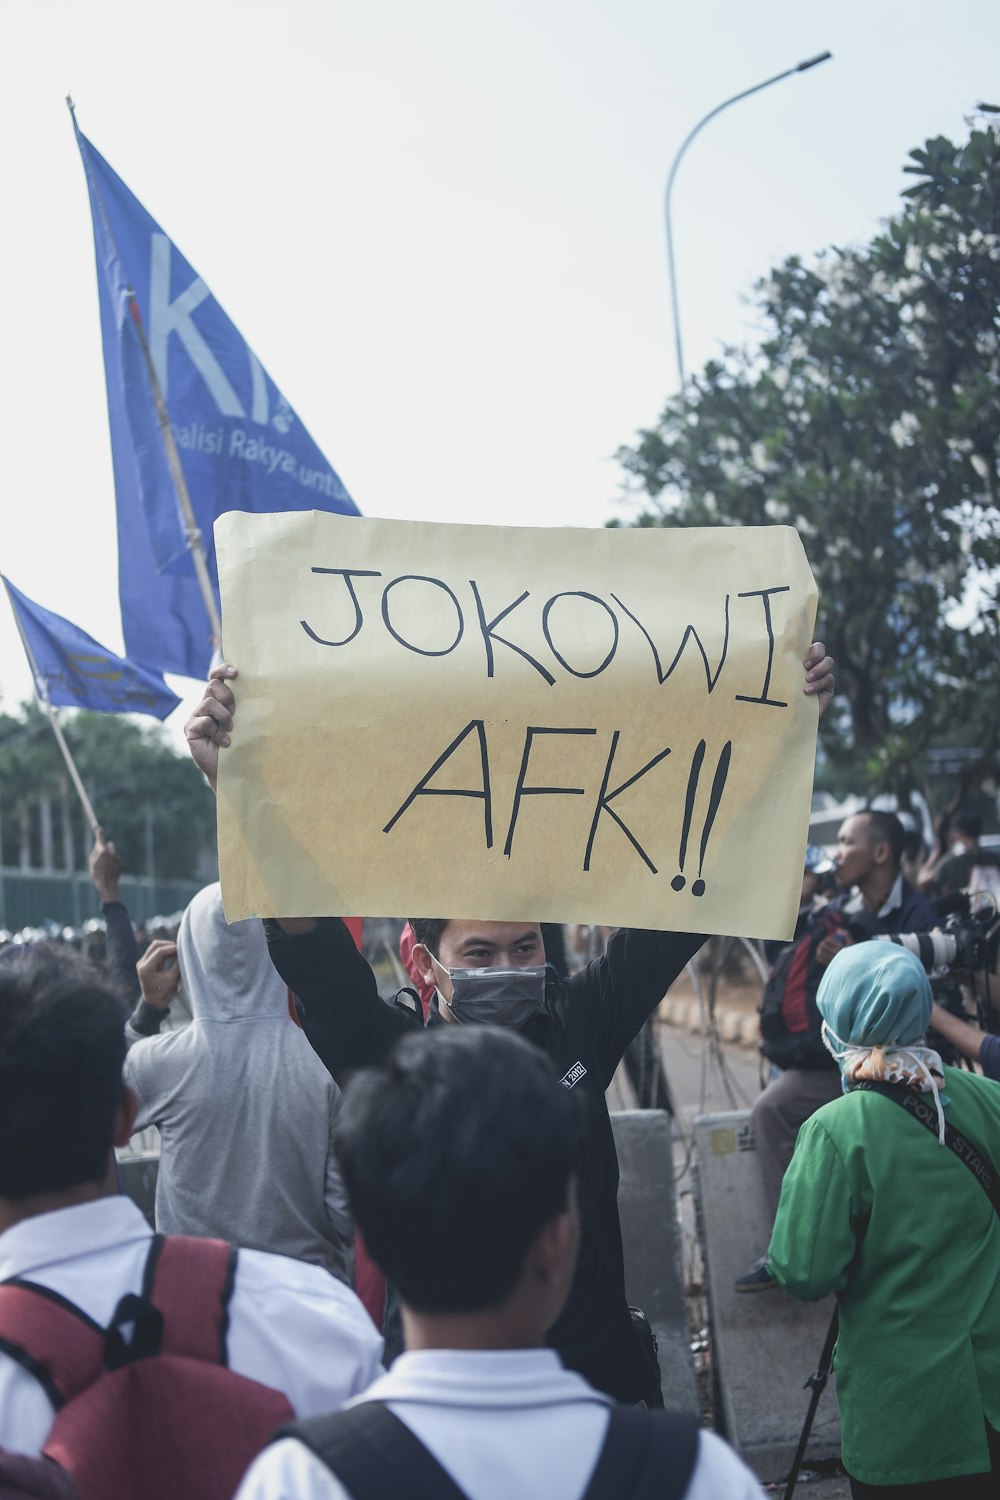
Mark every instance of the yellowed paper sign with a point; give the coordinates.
(516, 723)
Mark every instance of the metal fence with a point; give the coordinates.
(30, 897)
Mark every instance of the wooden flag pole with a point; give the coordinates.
(192, 534)
(41, 689)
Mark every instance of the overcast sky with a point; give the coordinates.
(439, 225)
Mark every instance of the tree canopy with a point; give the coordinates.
(869, 419)
(149, 799)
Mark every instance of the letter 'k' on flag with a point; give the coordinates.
(72, 670)
(238, 442)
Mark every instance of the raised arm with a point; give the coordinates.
(347, 1022)
(209, 730)
(123, 951)
(619, 991)
(159, 977)
(964, 1038)
(613, 995)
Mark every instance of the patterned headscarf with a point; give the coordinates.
(875, 1000)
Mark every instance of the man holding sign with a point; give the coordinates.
(279, 831)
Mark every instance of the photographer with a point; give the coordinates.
(876, 901)
(900, 1218)
(961, 956)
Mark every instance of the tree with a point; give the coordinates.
(869, 419)
(150, 799)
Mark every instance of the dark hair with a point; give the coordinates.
(913, 844)
(968, 822)
(455, 1154)
(886, 828)
(428, 930)
(62, 1046)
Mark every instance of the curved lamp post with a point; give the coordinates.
(802, 67)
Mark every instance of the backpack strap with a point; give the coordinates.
(374, 1455)
(190, 1281)
(50, 1338)
(647, 1455)
(183, 1308)
(915, 1104)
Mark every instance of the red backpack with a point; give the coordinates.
(790, 1022)
(147, 1407)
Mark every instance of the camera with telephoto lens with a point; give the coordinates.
(960, 945)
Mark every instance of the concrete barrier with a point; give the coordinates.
(137, 1175)
(764, 1345)
(651, 1237)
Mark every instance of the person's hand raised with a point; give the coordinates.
(159, 974)
(105, 867)
(819, 675)
(208, 729)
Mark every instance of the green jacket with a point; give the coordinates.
(874, 1209)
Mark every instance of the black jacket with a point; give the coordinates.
(587, 1022)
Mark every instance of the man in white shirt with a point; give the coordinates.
(65, 1229)
(457, 1156)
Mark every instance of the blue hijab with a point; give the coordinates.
(875, 995)
(875, 1000)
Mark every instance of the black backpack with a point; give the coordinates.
(790, 1024)
(647, 1455)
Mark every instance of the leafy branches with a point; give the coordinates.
(147, 797)
(870, 420)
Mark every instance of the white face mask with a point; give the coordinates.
(496, 997)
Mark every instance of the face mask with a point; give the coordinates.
(496, 997)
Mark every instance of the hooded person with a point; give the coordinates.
(244, 1107)
(887, 1215)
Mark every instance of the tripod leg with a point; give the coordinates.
(817, 1383)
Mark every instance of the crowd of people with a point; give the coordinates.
(387, 1255)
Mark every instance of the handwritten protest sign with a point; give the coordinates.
(526, 724)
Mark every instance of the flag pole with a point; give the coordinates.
(192, 533)
(42, 691)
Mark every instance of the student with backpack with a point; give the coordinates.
(458, 1158)
(144, 1365)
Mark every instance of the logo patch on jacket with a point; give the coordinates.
(576, 1072)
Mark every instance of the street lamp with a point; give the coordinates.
(802, 67)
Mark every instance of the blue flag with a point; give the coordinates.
(76, 672)
(240, 444)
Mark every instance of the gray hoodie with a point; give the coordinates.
(244, 1107)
